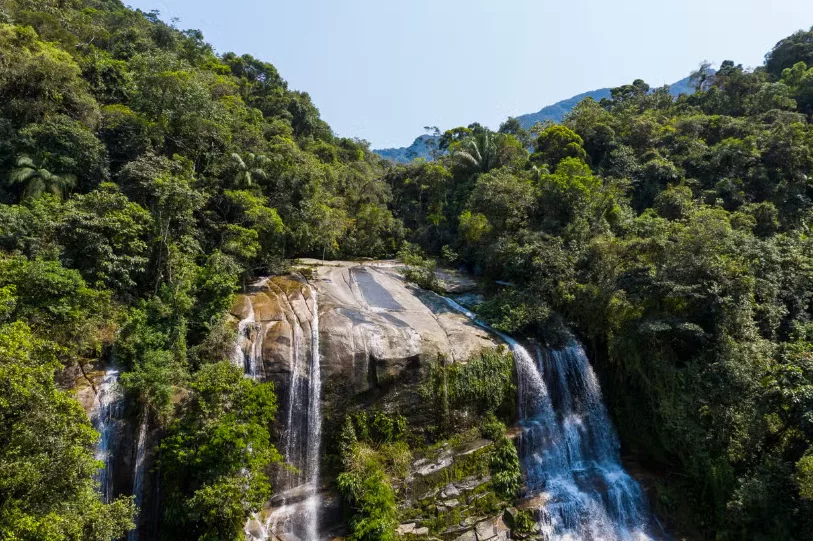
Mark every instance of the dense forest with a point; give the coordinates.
(145, 179)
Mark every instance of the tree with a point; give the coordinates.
(56, 302)
(214, 456)
(68, 147)
(555, 144)
(249, 169)
(505, 199)
(432, 141)
(46, 463)
(331, 223)
(38, 79)
(105, 237)
(789, 51)
(36, 179)
(702, 79)
(512, 126)
(476, 154)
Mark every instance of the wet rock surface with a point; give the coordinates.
(374, 327)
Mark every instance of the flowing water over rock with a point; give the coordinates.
(295, 511)
(569, 450)
(106, 417)
(138, 473)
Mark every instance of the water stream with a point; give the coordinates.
(296, 508)
(106, 418)
(138, 474)
(569, 449)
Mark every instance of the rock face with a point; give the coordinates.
(377, 336)
(374, 328)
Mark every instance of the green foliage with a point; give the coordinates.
(505, 469)
(373, 456)
(555, 144)
(804, 476)
(418, 269)
(37, 179)
(57, 303)
(671, 234)
(523, 522)
(215, 454)
(479, 387)
(103, 235)
(513, 311)
(46, 463)
(790, 51)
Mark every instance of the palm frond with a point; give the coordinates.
(466, 157)
(34, 188)
(240, 163)
(21, 175)
(25, 160)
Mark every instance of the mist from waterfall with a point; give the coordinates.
(106, 418)
(569, 449)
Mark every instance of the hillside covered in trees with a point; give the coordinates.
(145, 179)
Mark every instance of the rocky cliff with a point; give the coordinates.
(377, 336)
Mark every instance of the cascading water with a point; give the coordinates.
(106, 418)
(297, 508)
(138, 473)
(249, 356)
(314, 426)
(569, 450)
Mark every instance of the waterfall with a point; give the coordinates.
(138, 474)
(297, 508)
(569, 449)
(313, 502)
(106, 418)
(249, 357)
(299, 513)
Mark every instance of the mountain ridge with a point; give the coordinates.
(554, 112)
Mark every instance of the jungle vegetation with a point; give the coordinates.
(144, 179)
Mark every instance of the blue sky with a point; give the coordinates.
(381, 70)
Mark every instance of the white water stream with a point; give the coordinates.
(297, 513)
(106, 418)
(569, 450)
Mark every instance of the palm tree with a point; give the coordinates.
(37, 179)
(537, 172)
(249, 168)
(478, 153)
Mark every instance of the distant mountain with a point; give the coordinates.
(558, 110)
(417, 149)
(555, 113)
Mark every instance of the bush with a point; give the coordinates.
(419, 270)
(373, 455)
(482, 386)
(506, 475)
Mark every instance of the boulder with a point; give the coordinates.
(467, 536)
(374, 328)
(449, 491)
(484, 530)
(404, 529)
(374, 325)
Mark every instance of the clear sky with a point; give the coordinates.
(382, 69)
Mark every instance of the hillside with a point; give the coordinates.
(220, 321)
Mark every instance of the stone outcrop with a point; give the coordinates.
(375, 329)
(377, 336)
